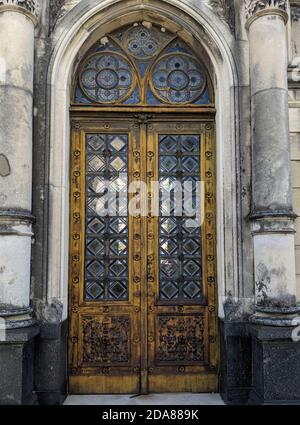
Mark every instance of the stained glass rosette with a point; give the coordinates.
(142, 43)
(107, 78)
(177, 79)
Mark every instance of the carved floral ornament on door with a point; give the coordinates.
(142, 64)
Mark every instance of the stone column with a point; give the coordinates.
(17, 24)
(272, 211)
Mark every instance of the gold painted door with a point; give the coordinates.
(142, 286)
(182, 327)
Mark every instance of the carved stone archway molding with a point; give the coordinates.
(32, 6)
(58, 9)
(225, 10)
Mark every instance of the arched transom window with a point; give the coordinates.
(142, 65)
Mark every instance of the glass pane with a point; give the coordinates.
(178, 78)
(180, 241)
(169, 290)
(95, 247)
(118, 268)
(168, 145)
(106, 240)
(106, 77)
(109, 72)
(190, 164)
(94, 291)
(168, 246)
(118, 247)
(117, 290)
(168, 164)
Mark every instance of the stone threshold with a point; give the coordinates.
(188, 399)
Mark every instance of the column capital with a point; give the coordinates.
(29, 7)
(256, 8)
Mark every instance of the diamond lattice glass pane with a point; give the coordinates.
(190, 144)
(191, 246)
(168, 164)
(95, 268)
(95, 163)
(96, 142)
(191, 164)
(97, 184)
(118, 143)
(106, 177)
(180, 235)
(118, 225)
(167, 207)
(168, 144)
(141, 42)
(118, 290)
(168, 246)
(189, 184)
(100, 206)
(169, 290)
(96, 225)
(118, 268)
(168, 226)
(167, 184)
(119, 183)
(191, 290)
(169, 268)
(95, 247)
(118, 164)
(118, 247)
(94, 291)
(189, 229)
(122, 203)
(192, 268)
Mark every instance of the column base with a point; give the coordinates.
(276, 316)
(15, 317)
(16, 366)
(275, 366)
(51, 363)
(235, 365)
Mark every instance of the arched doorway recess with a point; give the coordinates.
(143, 292)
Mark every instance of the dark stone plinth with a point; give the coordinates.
(51, 364)
(16, 366)
(235, 370)
(276, 366)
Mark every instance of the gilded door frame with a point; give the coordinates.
(206, 116)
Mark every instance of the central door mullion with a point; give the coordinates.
(144, 285)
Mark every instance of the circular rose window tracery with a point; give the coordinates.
(178, 79)
(106, 79)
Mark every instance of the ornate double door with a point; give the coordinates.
(143, 308)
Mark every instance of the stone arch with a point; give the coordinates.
(85, 22)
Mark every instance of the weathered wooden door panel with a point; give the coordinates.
(142, 288)
(182, 334)
(105, 260)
